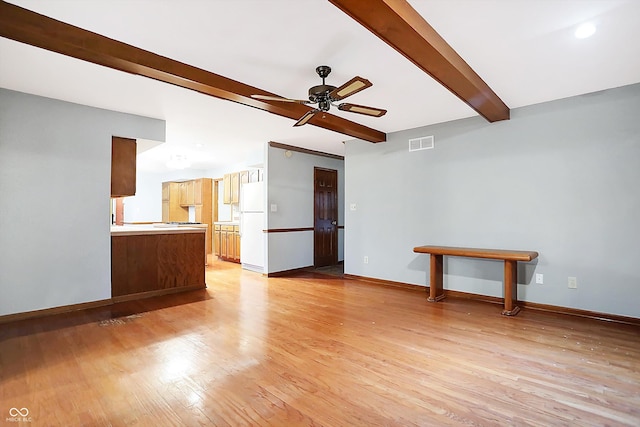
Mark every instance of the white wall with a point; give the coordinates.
(290, 186)
(55, 174)
(560, 178)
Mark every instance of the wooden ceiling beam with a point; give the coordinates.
(401, 27)
(37, 30)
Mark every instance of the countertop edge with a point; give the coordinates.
(126, 231)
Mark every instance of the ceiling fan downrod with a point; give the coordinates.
(320, 94)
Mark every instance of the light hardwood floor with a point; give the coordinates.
(316, 350)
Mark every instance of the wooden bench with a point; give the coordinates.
(510, 259)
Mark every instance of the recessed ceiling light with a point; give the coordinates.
(585, 30)
(198, 145)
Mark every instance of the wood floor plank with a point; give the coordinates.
(317, 350)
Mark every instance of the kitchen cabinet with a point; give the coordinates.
(178, 197)
(216, 240)
(123, 167)
(227, 242)
(231, 183)
(255, 175)
(171, 209)
(155, 262)
(244, 177)
(187, 193)
(197, 190)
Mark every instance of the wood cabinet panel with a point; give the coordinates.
(216, 240)
(228, 239)
(231, 182)
(197, 190)
(226, 182)
(165, 211)
(151, 263)
(123, 167)
(165, 191)
(187, 193)
(172, 211)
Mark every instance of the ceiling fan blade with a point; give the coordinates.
(361, 109)
(307, 116)
(277, 98)
(354, 85)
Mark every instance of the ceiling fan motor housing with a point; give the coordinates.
(320, 94)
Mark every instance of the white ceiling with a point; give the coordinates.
(524, 49)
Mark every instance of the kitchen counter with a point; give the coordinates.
(227, 223)
(160, 228)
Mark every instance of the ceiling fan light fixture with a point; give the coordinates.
(354, 85)
(361, 109)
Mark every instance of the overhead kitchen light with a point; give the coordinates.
(178, 161)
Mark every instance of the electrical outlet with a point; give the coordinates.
(539, 278)
(366, 260)
(353, 206)
(573, 283)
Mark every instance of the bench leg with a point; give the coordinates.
(435, 286)
(510, 288)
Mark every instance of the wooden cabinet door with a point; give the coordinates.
(197, 190)
(183, 193)
(254, 175)
(191, 196)
(187, 195)
(223, 244)
(236, 237)
(123, 167)
(244, 177)
(216, 240)
(165, 191)
(226, 182)
(165, 211)
(235, 188)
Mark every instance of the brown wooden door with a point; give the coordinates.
(325, 235)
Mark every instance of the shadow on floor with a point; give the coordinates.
(330, 270)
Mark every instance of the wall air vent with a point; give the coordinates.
(424, 143)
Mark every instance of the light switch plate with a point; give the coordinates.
(274, 207)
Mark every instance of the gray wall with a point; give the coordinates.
(290, 186)
(55, 174)
(560, 178)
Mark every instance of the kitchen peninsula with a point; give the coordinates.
(148, 260)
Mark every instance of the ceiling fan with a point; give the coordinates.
(325, 96)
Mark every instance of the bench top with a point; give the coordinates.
(506, 255)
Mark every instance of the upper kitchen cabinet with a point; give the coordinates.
(231, 188)
(171, 209)
(187, 193)
(232, 182)
(123, 167)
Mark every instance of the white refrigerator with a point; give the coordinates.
(252, 218)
